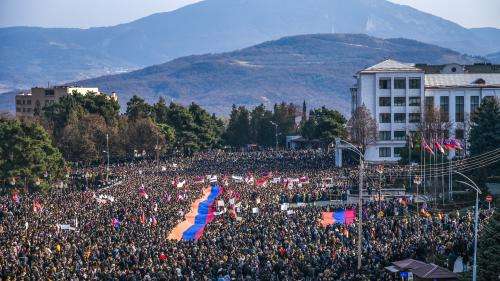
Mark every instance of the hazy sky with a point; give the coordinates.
(87, 13)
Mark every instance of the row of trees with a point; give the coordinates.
(83, 126)
(265, 127)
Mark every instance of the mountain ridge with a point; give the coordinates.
(34, 56)
(317, 68)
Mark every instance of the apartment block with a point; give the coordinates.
(397, 93)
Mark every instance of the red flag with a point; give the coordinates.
(37, 206)
(427, 147)
(261, 181)
(143, 218)
(439, 147)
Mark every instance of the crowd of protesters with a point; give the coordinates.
(120, 231)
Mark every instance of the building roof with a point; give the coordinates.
(468, 68)
(408, 264)
(432, 271)
(468, 80)
(391, 66)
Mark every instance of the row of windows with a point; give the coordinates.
(28, 102)
(401, 135)
(444, 106)
(384, 152)
(24, 109)
(386, 135)
(23, 102)
(399, 83)
(399, 101)
(399, 118)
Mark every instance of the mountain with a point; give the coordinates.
(316, 68)
(494, 57)
(34, 56)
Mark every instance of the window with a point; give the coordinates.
(384, 101)
(18, 109)
(474, 103)
(399, 117)
(399, 135)
(28, 102)
(384, 83)
(444, 107)
(459, 134)
(414, 117)
(384, 152)
(49, 92)
(414, 101)
(400, 83)
(459, 109)
(399, 101)
(429, 102)
(384, 135)
(397, 151)
(414, 83)
(385, 118)
(24, 102)
(18, 102)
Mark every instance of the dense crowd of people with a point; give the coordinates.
(120, 231)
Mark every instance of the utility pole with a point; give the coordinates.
(107, 151)
(360, 209)
(157, 148)
(473, 185)
(275, 134)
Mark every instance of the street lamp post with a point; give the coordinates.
(107, 151)
(380, 171)
(275, 133)
(417, 180)
(360, 199)
(474, 186)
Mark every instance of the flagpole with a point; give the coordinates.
(410, 144)
(435, 187)
(423, 166)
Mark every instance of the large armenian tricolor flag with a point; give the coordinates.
(340, 216)
(201, 213)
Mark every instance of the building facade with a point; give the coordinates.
(33, 101)
(397, 93)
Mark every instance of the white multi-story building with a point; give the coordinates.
(396, 92)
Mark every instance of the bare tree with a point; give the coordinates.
(362, 127)
(434, 124)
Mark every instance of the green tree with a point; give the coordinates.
(324, 124)
(161, 111)
(238, 130)
(182, 122)
(489, 250)
(484, 135)
(261, 128)
(77, 105)
(207, 127)
(26, 153)
(138, 108)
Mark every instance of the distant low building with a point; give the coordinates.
(28, 103)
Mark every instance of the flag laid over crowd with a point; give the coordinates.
(202, 213)
(340, 216)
